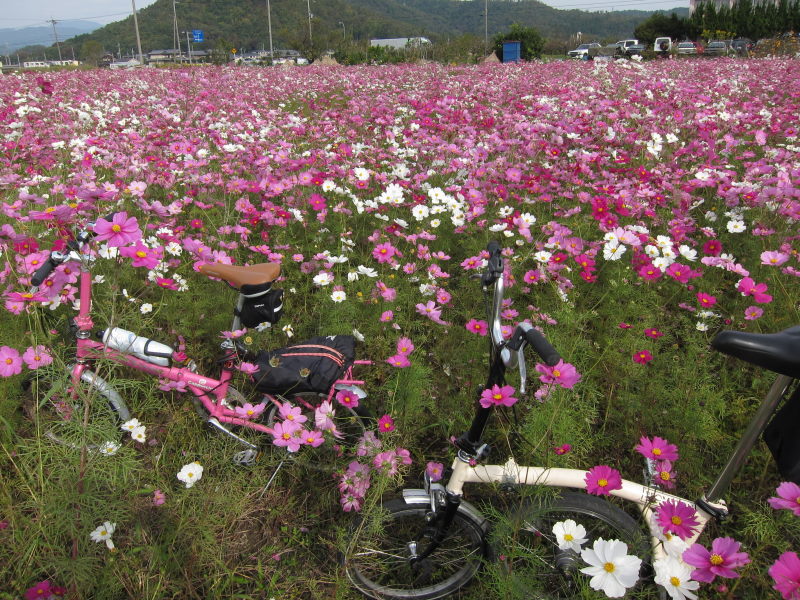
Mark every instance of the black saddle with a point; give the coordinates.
(778, 352)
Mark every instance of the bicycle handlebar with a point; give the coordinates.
(42, 272)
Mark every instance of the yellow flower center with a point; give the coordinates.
(250, 413)
(497, 396)
(656, 451)
(103, 532)
(141, 254)
(602, 482)
(190, 474)
(116, 228)
(609, 567)
(568, 537)
(310, 439)
(676, 520)
(665, 475)
(556, 373)
(674, 581)
(716, 559)
(287, 436)
(9, 361)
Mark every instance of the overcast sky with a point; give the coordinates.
(26, 13)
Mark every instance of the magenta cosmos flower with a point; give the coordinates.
(563, 374)
(498, 396)
(37, 356)
(602, 479)
(120, 231)
(657, 449)
(385, 424)
(399, 360)
(479, 327)
(721, 560)
(677, 518)
(786, 574)
(642, 357)
(434, 470)
(788, 498)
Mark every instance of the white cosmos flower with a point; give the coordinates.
(338, 296)
(569, 535)
(191, 473)
(700, 326)
(358, 335)
(736, 226)
(328, 185)
(611, 252)
(651, 251)
(368, 271)
(139, 434)
(687, 252)
(130, 425)
(103, 534)
(288, 330)
(146, 308)
(420, 211)
(611, 568)
(323, 278)
(109, 448)
(675, 576)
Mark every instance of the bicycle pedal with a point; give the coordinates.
(246, 458)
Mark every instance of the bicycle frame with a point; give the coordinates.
(465, 467)
(211, 392)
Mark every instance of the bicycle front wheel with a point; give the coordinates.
(533, 566)
(88, 414)
(380, 563)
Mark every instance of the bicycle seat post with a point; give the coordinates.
(749, 438)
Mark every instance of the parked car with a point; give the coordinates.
(742, 46)
(582, 51)
(717, 48)
(662, 45)
(689, 48)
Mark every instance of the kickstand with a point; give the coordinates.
(271, 479)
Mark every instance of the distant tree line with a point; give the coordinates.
(745, 18)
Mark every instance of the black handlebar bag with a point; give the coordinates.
(311, 366)
(782, 437)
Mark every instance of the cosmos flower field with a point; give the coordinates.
(643, 207)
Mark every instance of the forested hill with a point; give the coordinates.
(243, 23)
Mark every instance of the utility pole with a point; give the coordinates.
(188, 47)
(486, 28)
(176, 36)
(269, 27)
(309, 21)
(136, 27)
(53, 23)
(344, 34)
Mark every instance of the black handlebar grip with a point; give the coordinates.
(542, 347)
(42, 272)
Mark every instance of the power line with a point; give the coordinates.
(612, 4)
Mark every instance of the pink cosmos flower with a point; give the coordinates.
(498, 396)
(292, 414)
(248, 411)
(386, 462)
(563, 374)
(247, 368)
(36, 357)
(677, 518)
(387, 316)
(399, 360)
(653, 333)
(284, 434)
(432, 311)
(723, 558)
(141, 255)
(532, 277)
(773, 258)
(642, 357)
(10, 362)
(434, 470)
(120, 231)
(405, 346)
(323, 417)
(383, 253)
(657, 449)
(786, 573)
(347, 398)
(159, 498)
(479, 327)
(562, 449)
(311, 438)
(788, 498)
(385, 424)
(757, 290)
(751, 313)
(602, 479)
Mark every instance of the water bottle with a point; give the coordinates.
(141, 347)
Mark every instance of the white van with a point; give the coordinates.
(662, 44)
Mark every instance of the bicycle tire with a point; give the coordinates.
(532, 565)
(59, 410)
(382, 570)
